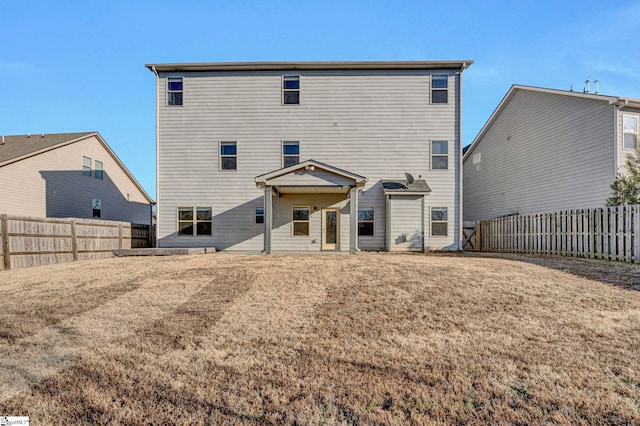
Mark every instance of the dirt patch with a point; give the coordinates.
(366, 339)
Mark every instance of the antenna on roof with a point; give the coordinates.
(588, 87)
(571, 90)
(2, 140)
(42, 135)
(596, 82)
(29, 134)
(410, 178)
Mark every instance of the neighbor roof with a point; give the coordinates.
(18, 147)
(612, 100)
(329, 65)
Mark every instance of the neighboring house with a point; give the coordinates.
(309, 156)
(548, 150)
(68, 175)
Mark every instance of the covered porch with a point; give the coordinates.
(310, 206)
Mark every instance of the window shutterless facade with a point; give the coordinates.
(86, 166)
(228, 156)
(439, 222)
(195, 221)
(439, 155)
(300, 221)
(439, 89)
(290, 153)
(291, 90)
(174, 91)
(259, 218)
(630, 131)
(366, 221)
(98, 173)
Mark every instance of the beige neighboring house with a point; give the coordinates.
(548, 150)
(68, 175)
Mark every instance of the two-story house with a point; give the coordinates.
(548, 150)
(309, 156)
(68, 175)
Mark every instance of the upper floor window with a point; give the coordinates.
(439, 155)
(290, 153)
(228, 156)
(630, 125)
(98, 173)
(174, 91)
(86, 166)
(439, 89)
(291, 90)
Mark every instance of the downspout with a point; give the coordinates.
(616, 148)
(459, 152)
(153, 68)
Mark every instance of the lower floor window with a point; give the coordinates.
(365, 221)
(300, 221)
(259, 214)
(195, 221)
(439, 222)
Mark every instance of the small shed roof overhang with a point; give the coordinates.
(398, 187)
(310, 177)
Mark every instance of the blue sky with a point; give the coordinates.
(69, 66)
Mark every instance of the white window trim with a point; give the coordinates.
(90, 166)
(195, 221)
(431, 222)
(431, 89)
(431, 155)
(368, 221)
(291, 90)
(637, 133)
(220, 156)
(95, 169)
(301, 221)
(167, 91)
(282, 150)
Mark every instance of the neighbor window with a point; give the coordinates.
(290, 153)
(259, 214)
(439, 222)
(300, 221)
(439, 155)
(630, 125)
(228, 156)
(86, 166)
(98, 173)
(290, 90)
(365, 221)
(439, 89)
(96, 205)
(174, 91)
(195, 221)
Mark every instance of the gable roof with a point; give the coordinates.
(311, 165)
(18, 147)
(308, 65)
(611, 100)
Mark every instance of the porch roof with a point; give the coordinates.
(310, 177)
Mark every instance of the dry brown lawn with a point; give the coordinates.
(311, 339)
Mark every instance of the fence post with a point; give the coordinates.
(74, 240)
(119, 236)
(5, 242)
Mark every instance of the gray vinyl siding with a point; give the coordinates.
(543, 152)
(51, 184)
(377, 124)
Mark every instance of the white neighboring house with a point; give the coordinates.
(548, 150)
(309, 156)
(68, 175)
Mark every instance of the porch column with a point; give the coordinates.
(268, 219)
(353, 220)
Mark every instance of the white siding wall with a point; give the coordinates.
(377, 124)
(51, 184)
(406, 225)
(544, 152)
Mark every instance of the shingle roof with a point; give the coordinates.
(419, 186)
(21, 145)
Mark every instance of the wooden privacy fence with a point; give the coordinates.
(28, 241)
(611, 233)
